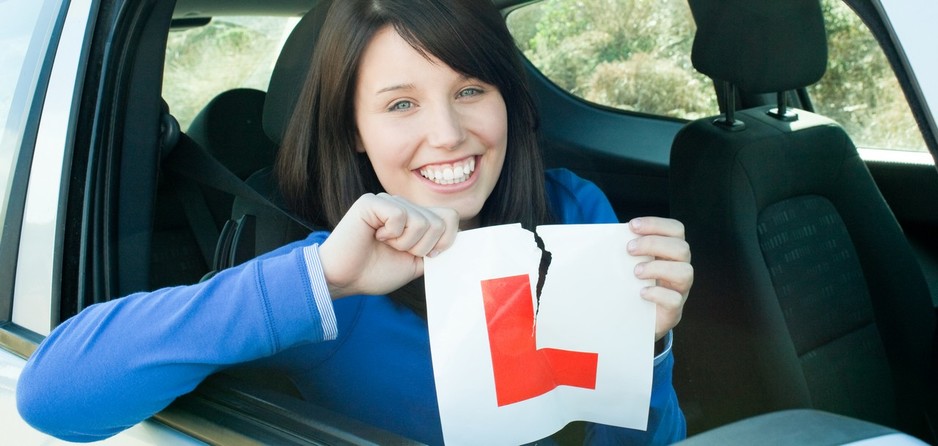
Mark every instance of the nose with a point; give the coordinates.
(445, 129)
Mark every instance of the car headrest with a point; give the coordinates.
(761, 46)
(230, 128)
(291, 70)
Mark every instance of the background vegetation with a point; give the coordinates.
(230, 52)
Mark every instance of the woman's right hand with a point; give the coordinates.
(380, 243)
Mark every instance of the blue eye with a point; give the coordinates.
(469, 92)
(401, 106)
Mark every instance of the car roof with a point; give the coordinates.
(194, 9)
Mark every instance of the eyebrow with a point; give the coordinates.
(395, 88)
(409, 86)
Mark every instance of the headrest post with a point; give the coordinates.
(728, 120)
(782, 113)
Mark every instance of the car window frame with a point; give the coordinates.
(19, 139)
(910, 63)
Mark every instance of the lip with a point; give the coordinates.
(451, 188)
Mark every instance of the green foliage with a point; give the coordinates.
(629, 54)
(648, 84)
(859, 89)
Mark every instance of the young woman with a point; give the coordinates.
(416, 123)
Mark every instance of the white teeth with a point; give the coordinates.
(448, 173)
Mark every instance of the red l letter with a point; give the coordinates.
(521, 370)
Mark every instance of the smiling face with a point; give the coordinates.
(433, 136)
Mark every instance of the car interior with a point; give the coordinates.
(803, 268)
(152, 204)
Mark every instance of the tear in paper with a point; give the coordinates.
(513, 367)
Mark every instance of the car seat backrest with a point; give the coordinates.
(230, 128)
(806, 292)
(291, 70)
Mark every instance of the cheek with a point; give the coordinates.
(380, 144)
(390, 159)
(495, 129)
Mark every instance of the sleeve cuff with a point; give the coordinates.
(321, 294)
(668, 340)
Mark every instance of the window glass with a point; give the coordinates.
(859, 89)
(25, 30)
(228, 53)
(628, 54)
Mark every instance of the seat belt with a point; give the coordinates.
(190, 160)
(200, 218)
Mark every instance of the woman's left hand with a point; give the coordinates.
(663, 239)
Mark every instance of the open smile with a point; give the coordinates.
(446, 174)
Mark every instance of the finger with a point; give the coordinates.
(669, 308)
(421, 239)
(420, 229)
(662, 247)
(390, 216)
(382, 213)
(677, 276)
(450, 220)
(444, 224)
(668, 300)
(668, 227)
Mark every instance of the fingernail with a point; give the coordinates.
(433, 253)
(639, 269)
(632, 245)
(636, 223)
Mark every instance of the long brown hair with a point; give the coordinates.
(320, 172)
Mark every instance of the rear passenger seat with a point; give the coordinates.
(190, 215)
(230, 128)
(272, 228)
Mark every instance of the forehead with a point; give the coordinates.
(390, 60)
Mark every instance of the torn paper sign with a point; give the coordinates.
(525, 340)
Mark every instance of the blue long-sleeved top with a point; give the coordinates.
(364, 356)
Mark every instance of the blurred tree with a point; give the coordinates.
(629, 54)
(859, 89)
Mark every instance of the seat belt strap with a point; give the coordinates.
(192, 161)
(202, 223)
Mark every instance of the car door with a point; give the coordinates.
(45, 46)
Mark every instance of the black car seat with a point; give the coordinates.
(175, 255)
(254, 228)
(230, 128)
(191, 212)
(806, 292)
